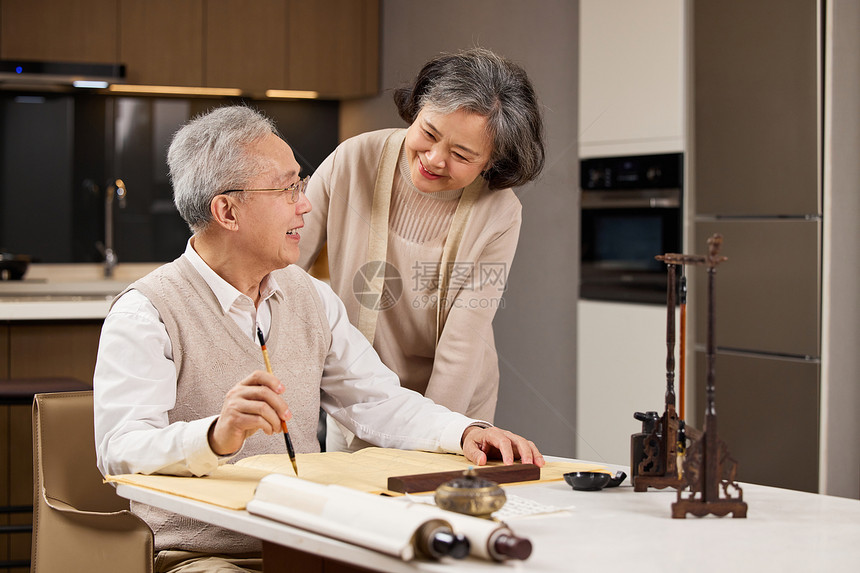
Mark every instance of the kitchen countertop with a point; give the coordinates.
(66, 291)
(77, 291)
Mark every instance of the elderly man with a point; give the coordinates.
(178, 383)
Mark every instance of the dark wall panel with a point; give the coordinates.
(60, 154)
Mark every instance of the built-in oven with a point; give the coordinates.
(632, 210)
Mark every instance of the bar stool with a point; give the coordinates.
(20, 392)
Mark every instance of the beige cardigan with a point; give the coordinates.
(462, 373)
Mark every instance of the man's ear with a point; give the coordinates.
(223, 210)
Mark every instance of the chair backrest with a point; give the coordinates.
(65, 449)
(79, 523)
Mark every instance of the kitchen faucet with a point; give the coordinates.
(115, 190)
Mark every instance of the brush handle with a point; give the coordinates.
(287, 440)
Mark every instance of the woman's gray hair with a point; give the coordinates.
(481, 82)
(210, 154)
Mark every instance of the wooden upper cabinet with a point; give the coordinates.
(757, 109)
(68, 31)
(246, 44)
(161, 41)
(334, 47)
(327, 46)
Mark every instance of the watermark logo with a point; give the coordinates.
(392, 285)
(481, 285)
(463, 276)
(431, 301)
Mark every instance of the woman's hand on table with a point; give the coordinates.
(481, 444)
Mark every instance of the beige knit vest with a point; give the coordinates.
(212, 354)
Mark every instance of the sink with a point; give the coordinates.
(71, 282)
(43, 290)
(55, 298)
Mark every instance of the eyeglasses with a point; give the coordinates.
(294, 190)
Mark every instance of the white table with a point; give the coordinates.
(611, 530)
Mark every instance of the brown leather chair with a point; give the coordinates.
(79, 523)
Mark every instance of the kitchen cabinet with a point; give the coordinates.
(18, 490)
(621, 369)
(5, 540)
(4, 351)
(161, 42)
(35, 349)
(246, 44)
(327, 46)
(767, 293)
(767, 411)
(345, 36)
(756, 180)
(48, 348)
(756, 116)
(631, 77)
(59, 31)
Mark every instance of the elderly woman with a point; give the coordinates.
(421, 225)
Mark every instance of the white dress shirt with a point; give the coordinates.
(135, 386)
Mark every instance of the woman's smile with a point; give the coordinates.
(447, 151)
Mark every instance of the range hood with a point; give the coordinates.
(26, 73)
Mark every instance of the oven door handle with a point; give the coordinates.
(590, 201)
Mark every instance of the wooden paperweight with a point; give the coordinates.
(416, 483)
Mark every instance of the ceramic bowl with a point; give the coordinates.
(13, 267)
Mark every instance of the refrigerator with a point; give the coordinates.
(756, 180)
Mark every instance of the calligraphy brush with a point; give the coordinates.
(682, 355)
(287, 439)
(682, 352)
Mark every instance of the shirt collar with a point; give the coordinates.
(226, 293)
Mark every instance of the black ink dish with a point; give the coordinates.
(593, 481)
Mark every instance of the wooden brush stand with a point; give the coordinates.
(709, 470)
(659, 466)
